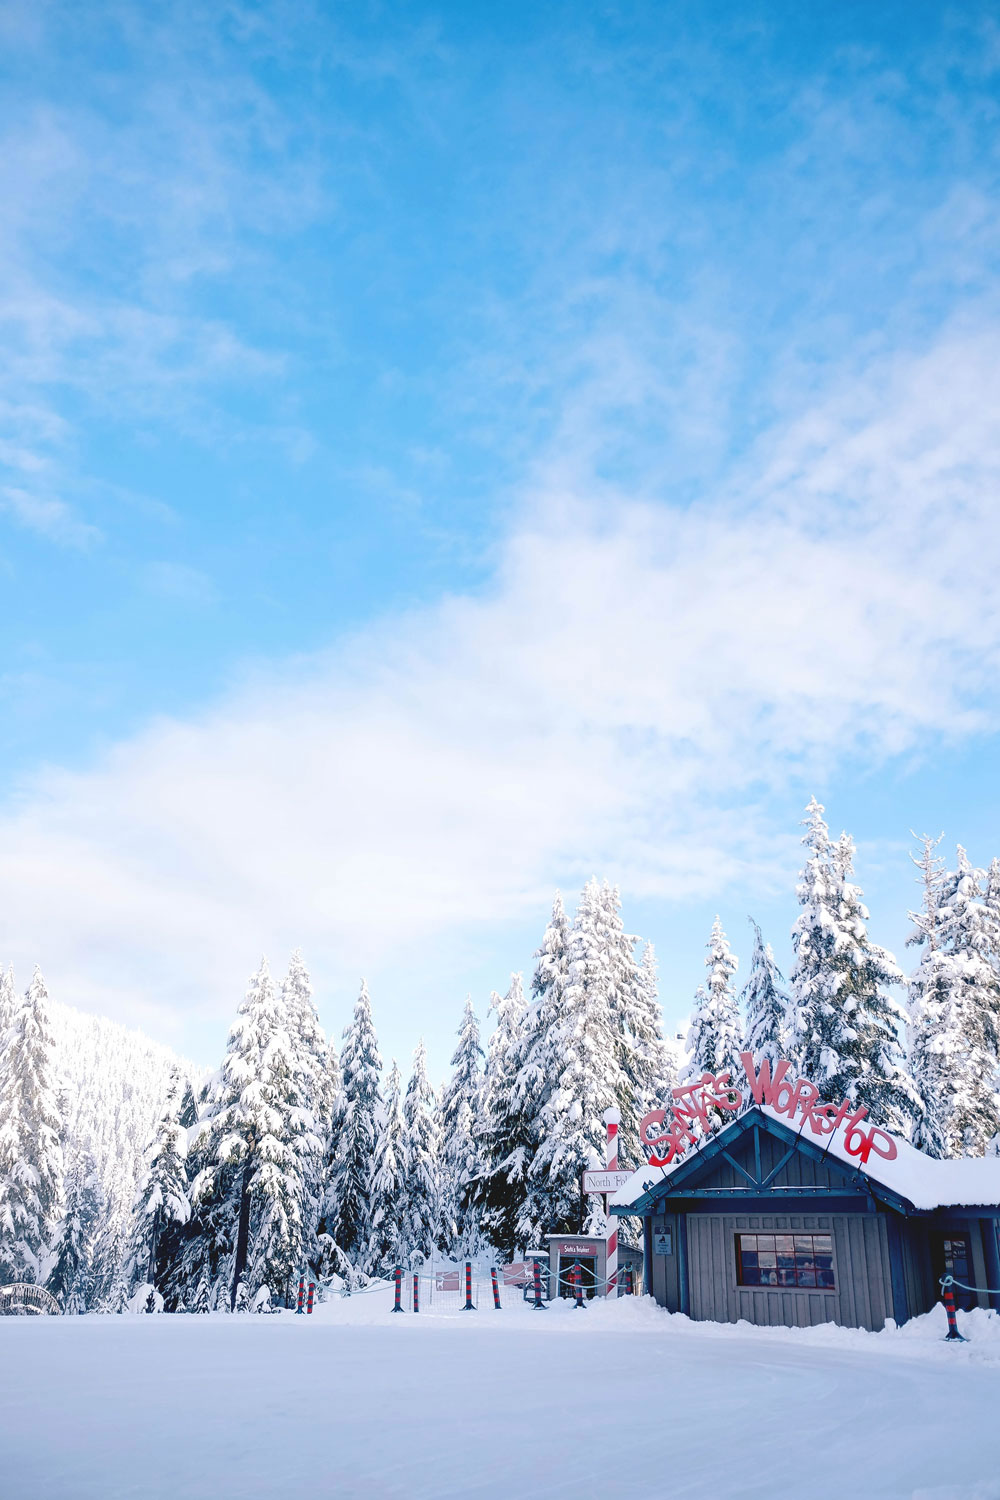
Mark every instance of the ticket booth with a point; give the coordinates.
(568, 1250)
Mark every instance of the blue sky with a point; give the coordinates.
(448, 451)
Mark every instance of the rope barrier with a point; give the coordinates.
(988, 1291)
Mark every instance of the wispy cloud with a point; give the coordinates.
(49, 518)
(624, 697)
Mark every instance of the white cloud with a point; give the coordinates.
(624, 697)
(48, 517)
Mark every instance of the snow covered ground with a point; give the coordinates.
(354, 1402)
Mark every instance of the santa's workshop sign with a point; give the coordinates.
(700, 1107)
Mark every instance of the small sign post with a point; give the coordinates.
(603, 1181)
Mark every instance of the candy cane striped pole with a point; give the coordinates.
(398, 1304)
(302, 1294)
(578, 1284)
(612, 1119)
(469, 1306)
(312, 1293)
(539, 1304)
(496, 1287)
(953, 1334)
(416, 1291)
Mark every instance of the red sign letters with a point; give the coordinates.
(700, 1107)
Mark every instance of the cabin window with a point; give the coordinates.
(957, 1264)
(785, 1260)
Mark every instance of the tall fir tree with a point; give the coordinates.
(388, 1190)
(251, 1189)
(642, 1057)
(461, 1109)
(846, 1024)
(421, 1202)
(162, 1202)
(716, 1032)
(348, 1204)
(319, 1087)
(765, 1003)
(506, 1139)
(70, 1277)
(31, 1163)
(586, 1068)
(536, 1076)
(8, 1002)
(954, 1011)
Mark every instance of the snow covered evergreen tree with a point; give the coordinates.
(461, 1109)
(765, 1003)
(645, 1056)
(70, 1278)
(506, 1132)
(954, 1004)
(388, 1189)
(534, 1063)
(250, 1193)
(846, 1025)
(637, 1022)
(348, 1206)
(586, 1067)
(716, 1034)
(421, 1203)
(31, 1162)
(319, 1086)
(162, 1201)
(8, 1002)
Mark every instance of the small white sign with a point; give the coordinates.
(604, 1182)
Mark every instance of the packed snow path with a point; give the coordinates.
(353, 1403)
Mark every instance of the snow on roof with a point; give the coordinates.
(922, 1180)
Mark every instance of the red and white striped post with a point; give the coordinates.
(416, 1291)
(398, 1304)
(953, 1335)
(312, 1293)
(496, 1287)
(539, 1304)
(469, 1304)
(302, 1294)
(578, 1284)
(612, 1119)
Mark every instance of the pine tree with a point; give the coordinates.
(716, 1032)
(8, 1004)
(507, 1143)
(461, 1108)
(421, 1204)
(31, 1166)
(250, 1192)
(765, 1003)
(845, 1024)
(585, 1066)
(648, 1059)
(388, 1189)
(70, 1276)
(954, 1004)
(535, 1065)
(642, 1057)
(348, 1206)
(162, 1201)
(318, 1083)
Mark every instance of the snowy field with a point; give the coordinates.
(354, 1402)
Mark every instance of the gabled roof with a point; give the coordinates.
(912, 1182)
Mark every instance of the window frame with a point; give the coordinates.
(775, 1234)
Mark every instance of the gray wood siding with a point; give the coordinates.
(863, 1295)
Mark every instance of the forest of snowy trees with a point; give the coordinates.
(127, 1179)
